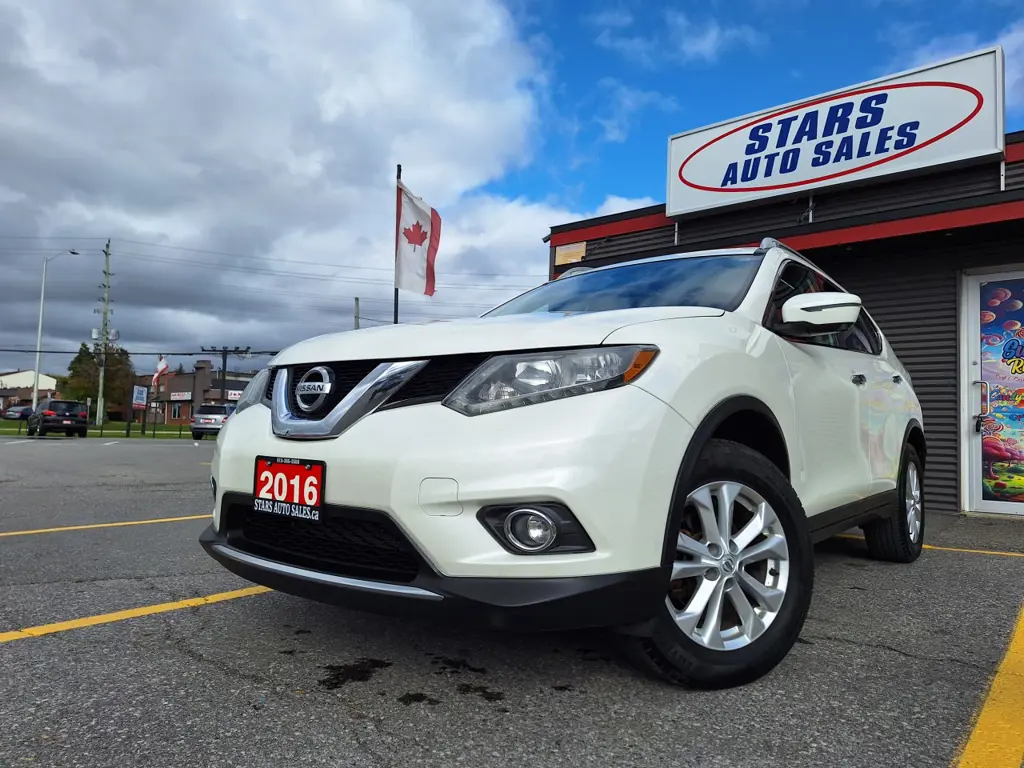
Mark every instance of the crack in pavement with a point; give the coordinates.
(110, 580)
(987, 668)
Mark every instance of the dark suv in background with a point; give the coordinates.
(68, 416)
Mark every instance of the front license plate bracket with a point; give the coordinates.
(289, 487)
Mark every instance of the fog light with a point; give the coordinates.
(530, 530)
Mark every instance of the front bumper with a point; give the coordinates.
(537, 604)
(610, 457)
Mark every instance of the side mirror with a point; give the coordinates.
(818, 314)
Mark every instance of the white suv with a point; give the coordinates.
(651, 446)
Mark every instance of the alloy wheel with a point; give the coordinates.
(912, 502)
(731, 569)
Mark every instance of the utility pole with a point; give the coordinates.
(224, 352)
(104, 333)
(357, 314)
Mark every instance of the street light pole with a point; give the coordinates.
(39, 328)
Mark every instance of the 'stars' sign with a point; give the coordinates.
(941, 114)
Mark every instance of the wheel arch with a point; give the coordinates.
(741, 418)
(914, 434)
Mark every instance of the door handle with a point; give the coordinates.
(897, 379)
(859, 379)
(984, 397)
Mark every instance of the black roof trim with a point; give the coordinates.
(1015, 138)
(651, 210)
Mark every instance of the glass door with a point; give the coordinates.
(995, 428)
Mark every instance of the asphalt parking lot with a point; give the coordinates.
(893, 667)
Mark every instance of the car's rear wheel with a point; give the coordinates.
(741, 579)
(42, 432)
(196, 436)
(30, 431)
(84, 432)
(900, 538)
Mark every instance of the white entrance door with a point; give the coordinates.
(993, 427)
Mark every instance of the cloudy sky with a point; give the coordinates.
(240, 154)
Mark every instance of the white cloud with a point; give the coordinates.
(263, 137)
(623, 103)
(937, 49)
(682, 41)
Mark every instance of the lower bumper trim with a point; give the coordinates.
(524, 604)
(327, 579)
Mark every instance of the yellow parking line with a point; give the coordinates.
(132, 613)
(103, 525)
(997, 740)
(945, 549)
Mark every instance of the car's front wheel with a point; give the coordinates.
(741, 579)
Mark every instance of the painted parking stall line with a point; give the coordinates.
(131, 613)
(997, 739)
(90, 526)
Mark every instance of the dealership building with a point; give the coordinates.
(908, 192)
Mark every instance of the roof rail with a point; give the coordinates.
(771, 242)
(574, 271)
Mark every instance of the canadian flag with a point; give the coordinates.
(161, 369)
(417, 235)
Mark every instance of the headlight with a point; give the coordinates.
(253, 392)
(510, 381)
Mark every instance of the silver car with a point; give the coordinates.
(209, 419)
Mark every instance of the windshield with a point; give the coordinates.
(212, 410)
(719, 282)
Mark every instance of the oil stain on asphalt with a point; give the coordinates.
(358, 671)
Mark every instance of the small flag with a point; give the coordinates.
(417, 236)
(161, 369)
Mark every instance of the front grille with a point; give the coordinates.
(346, 542)
(346, 376)
(437, 379)
(432, 384)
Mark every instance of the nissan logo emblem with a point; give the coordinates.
(313, 388)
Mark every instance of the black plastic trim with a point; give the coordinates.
(528, 604)
(572, 537)
(878, 507)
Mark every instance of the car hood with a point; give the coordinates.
(537, 330)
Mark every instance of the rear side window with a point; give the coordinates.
(212, 410)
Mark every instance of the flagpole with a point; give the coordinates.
(398, 224)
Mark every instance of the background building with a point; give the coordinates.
(178, 394)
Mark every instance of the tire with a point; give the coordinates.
(196, 436)
(42, 432)
(734, 657)
(30, 431)
(83, 432)
(897, 539)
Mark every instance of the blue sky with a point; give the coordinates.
(622, 76)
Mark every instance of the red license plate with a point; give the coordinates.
(289, 487)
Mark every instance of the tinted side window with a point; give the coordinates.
(862, 337)
(797, 279)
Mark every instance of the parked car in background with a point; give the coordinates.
(68, 416)
(17, 412)
(209, 419)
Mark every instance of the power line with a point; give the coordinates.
(265, 258)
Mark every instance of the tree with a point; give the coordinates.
(83, 379)
(180, 369)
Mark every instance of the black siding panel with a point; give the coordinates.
(1014, 176)
(750, 223)
(910, 287)
(617, 245)
(907, 193)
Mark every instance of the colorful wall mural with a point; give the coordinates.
(1002, 368)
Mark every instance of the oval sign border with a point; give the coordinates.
(791, 184)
